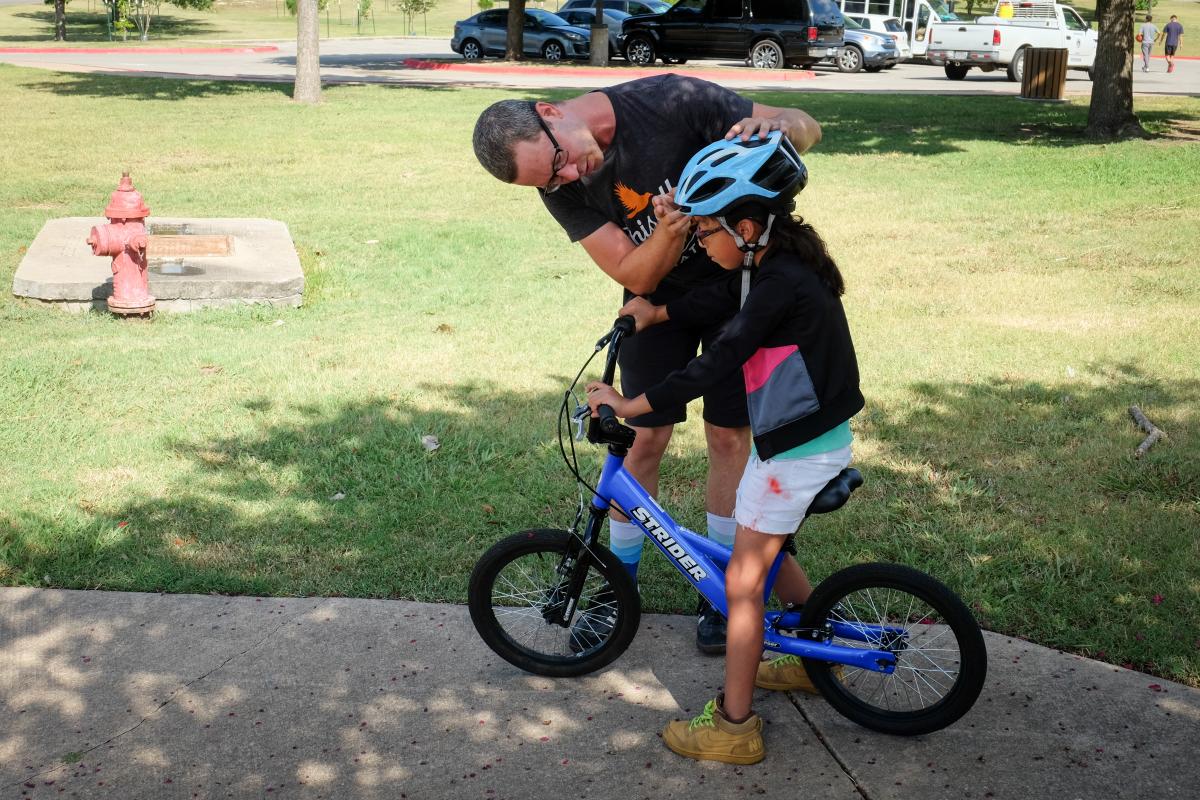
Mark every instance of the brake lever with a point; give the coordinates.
(581, 416)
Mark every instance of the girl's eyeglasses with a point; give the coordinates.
(701, 235)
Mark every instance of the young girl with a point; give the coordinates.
(792, 343)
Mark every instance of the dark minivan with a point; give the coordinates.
(767, 33)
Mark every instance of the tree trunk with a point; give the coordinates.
(599, 45)
(514, 43)
(1110, 115)
(307, 88)
(60, 20)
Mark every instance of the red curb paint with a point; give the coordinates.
(124, 51)
(625, 72)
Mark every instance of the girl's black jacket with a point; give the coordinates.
(791, 340)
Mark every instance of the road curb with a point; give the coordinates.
(781, 76)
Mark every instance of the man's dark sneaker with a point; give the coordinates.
(710, 629)
(595, 623)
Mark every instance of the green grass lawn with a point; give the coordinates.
(1013, 289)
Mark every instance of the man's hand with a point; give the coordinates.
(758, 125)
(643, 312)
(673, 221)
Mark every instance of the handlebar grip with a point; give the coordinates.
(608, 419)
(627, 325)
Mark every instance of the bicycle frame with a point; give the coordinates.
(703, 561)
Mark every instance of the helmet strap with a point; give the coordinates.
(749, 248)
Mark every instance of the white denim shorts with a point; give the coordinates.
(774, 495)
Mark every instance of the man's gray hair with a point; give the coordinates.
(498, 128)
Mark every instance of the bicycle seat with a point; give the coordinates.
(836, 492)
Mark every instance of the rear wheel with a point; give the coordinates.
(1016, 68)
(520, 587)
(956, 72)
(850, 59)
(941, 659)
(766, 55)
(640, 50)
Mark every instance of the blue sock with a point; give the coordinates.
(722, 530)
(625, 541)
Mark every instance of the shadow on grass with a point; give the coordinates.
(84, 26)
(1023, 497)
(138, 86)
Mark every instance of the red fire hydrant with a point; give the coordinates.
(124, 238)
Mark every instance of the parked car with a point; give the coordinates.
(628, 6)
(866, 49)
(546, 34)
(767, 33)
(613, 20)
(882, 23)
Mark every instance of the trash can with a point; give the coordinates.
(1045, 75)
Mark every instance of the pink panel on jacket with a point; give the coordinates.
(758, 369)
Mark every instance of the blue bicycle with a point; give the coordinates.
(558, 603)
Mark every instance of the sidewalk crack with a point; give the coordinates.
(170, 699)
(858, 787)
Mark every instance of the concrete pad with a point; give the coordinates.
(1048, 725)
(261, 266)
(352, 699)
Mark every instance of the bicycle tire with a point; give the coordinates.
(931, 687)
(521, 635)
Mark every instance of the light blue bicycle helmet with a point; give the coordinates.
(727, 173)
(727, 176)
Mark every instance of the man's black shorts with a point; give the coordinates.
(661, 349)
(1170, 49)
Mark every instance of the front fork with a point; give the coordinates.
(572, 570)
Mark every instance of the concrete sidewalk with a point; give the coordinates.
(139, 696)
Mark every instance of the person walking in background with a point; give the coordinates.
(1173, 40)
(1147, 35)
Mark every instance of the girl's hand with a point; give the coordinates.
(643, 312)
(601, 394)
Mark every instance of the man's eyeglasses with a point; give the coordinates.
(557, 162)
(701, 235)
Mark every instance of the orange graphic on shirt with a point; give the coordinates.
(634, 202)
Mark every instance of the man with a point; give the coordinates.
(1148, 35)
(605, 164)
(1173, 35)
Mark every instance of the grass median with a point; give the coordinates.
(1013, 289)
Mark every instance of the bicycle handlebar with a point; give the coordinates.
(605, 426)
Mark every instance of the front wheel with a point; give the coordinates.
(471, 50)
(850, 59)
(766, 55)
(520, 588)
(640, 50)
(552, 51)
(941, 659)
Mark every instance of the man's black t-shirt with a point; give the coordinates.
(660, 124)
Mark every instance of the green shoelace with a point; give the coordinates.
(783, 661)
(705, 717)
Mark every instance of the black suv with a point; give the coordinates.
(767, 33)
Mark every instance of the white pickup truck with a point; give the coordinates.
(1000, 40)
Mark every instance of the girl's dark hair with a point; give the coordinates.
(793, 234)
